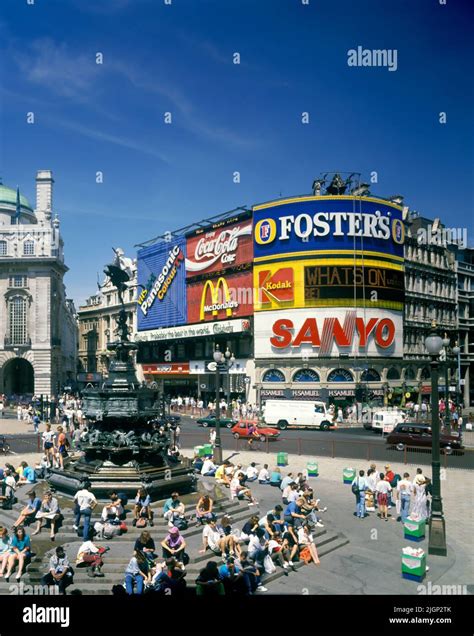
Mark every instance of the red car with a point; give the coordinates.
(242, 430)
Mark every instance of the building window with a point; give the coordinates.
(3, 248)
(17, 316)
(273, 375)
(340, 375)
(305, 375)
(410, 373)
(425, 373)
(29, 248)
(18, 280)
(370, 375)
(393, 374)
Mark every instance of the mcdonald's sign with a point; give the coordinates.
(220, 298)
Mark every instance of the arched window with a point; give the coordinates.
(410, 373)
(3, 248)
(305, 375)
(340, 375)
(370, 375)
(29, 248)
(17, 311)
(393, 374)
(273, 375)
(425, 373)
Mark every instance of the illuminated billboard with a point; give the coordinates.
(162, 285)
(328, 332)
(223, 245)
(332, 224)
(328, 282)
(221, 297)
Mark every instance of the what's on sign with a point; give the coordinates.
(299, 225)
(328, 332)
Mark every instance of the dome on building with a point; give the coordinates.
(8, 198)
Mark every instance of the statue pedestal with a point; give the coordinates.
(104, 476)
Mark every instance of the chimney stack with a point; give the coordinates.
(44, 191)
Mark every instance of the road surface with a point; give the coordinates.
(352, 443)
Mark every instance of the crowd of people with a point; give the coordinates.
(377, 491)
(235, 408)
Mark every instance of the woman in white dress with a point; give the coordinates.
(420, 507)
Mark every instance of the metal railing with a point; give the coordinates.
(335, 448)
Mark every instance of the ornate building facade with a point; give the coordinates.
(38, 331)
(97, 321)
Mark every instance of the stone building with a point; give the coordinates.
(465, 272)
(38, 331)
(97, 321)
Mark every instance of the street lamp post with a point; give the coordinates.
(437, 526)
(228, 361)
(457, 353)
(446, 343)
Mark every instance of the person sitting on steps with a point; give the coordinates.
(142, 507)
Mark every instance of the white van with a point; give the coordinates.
(296, 413)
(384, 421)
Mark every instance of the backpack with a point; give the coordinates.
(355, 488)
(110, 530)
(141, 522)
(180, 523)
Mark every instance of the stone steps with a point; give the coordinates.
(326, 540)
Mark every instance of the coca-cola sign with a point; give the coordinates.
(220, 248)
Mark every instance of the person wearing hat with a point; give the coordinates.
(419, 477)
(59, 572)
(173, 545)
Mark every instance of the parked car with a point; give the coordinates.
(265, 432)
(210, 420)
(415, 434)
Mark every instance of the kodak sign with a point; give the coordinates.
(276, 287)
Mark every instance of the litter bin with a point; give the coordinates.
(207, 450)
(348, 475)
(199, 451)
(282, 459)
(413, 564)
(312, 469)
(414, 530)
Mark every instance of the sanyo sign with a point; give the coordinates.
(329, 332)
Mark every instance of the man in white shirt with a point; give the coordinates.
(252, 472)
(212, 538)
(405, 490)
(383, 490)
(208, 468)
(85, 504)
(264, 475)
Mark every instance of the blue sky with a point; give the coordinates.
(228, 117)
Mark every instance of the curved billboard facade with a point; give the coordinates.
(334, 265)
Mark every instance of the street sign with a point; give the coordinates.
(211, 366)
